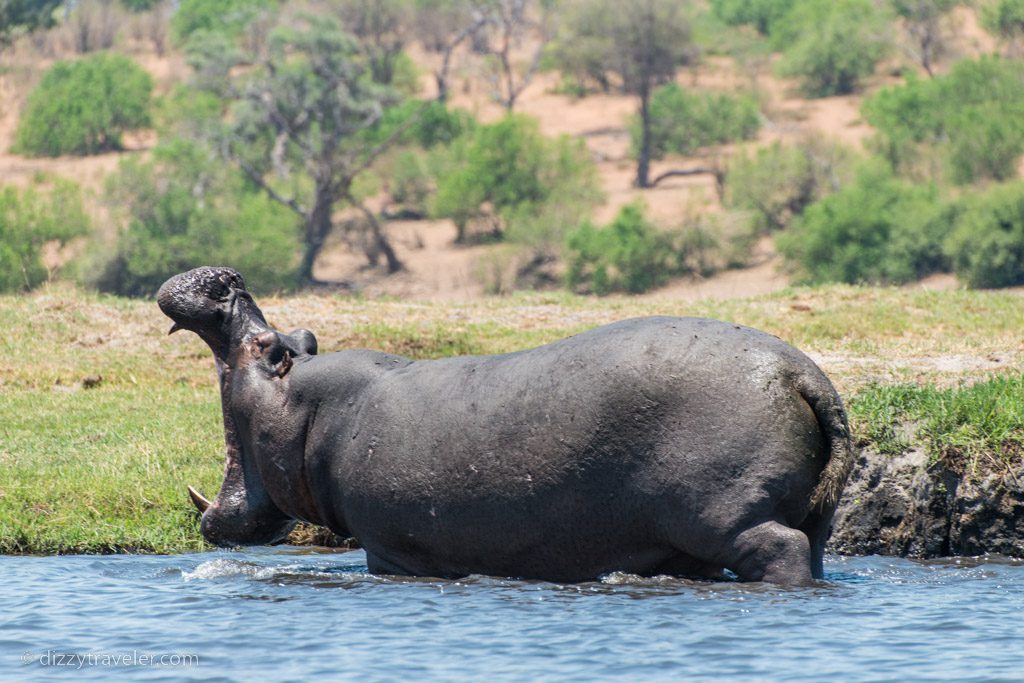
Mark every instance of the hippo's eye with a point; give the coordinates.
(219, 289)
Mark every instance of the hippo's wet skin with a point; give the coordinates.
(656, 445)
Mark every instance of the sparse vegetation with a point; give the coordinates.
(778, 182)
(971, 117)
(49, 211)
(185, 208)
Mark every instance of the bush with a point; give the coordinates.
(185, 208)
(1005, 18)
(506, 175)
(831, 44)
(779, 182)
(973, 118)
(880, 229)
(763, 14)
(435, 124)
(683, 122)
(31, 218)
(82, 107)
(229, 17)
(633, 255)
(987, 247)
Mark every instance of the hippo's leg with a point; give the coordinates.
(818, 527)
(774, 553)
(689, 567)
(376, 565)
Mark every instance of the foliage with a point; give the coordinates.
(973, 117)
(29, 219)
(425, 124)
(1005, 18)
(684, 121)
(987, 247)
(228, 17)
(26, 15)
(508, 176)
(831, 45)
(182, 209)
(880, 229)
(630, 254)
(778, 182)
(762, 14)
(82, 107)
(297, 124)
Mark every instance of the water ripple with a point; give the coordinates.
(288, 613)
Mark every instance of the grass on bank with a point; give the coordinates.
(104, 468)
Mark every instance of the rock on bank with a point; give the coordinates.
(904, 505)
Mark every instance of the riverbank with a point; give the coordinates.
(104, 419)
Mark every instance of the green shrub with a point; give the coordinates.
(633, 255)
(763, 14)
(433, 124)
(778, 182)
(186, 208)
(987, 246)
(880, 229)
(29, 219)
(507, 174)
(831, 44)
(1005, 18)
(972, 117)
(224, 16)
(684, 121)
(82, 107)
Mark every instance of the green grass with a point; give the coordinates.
(104, 469)
(969, 428)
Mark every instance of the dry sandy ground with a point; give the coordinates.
(438, 269)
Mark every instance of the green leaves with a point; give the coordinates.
(684, 121)
(29, 219)
(82, 107)
(973, 118)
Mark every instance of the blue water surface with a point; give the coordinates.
(288, 613)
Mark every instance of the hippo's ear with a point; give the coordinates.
(303, 342)
(276, 352)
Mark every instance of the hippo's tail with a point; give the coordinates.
(828, 409)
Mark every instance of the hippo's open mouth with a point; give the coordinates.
(214, 303)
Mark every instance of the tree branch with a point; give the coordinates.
(681, 172)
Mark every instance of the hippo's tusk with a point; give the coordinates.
(174, 328)
(198, 500)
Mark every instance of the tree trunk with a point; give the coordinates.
(380, 240)
(318, 227)
(643, 166)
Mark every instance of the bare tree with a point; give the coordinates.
(510, 26)
(442, 26)
(923, 22)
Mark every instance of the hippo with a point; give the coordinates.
(662, 445)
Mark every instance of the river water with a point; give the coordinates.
(287, 613)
